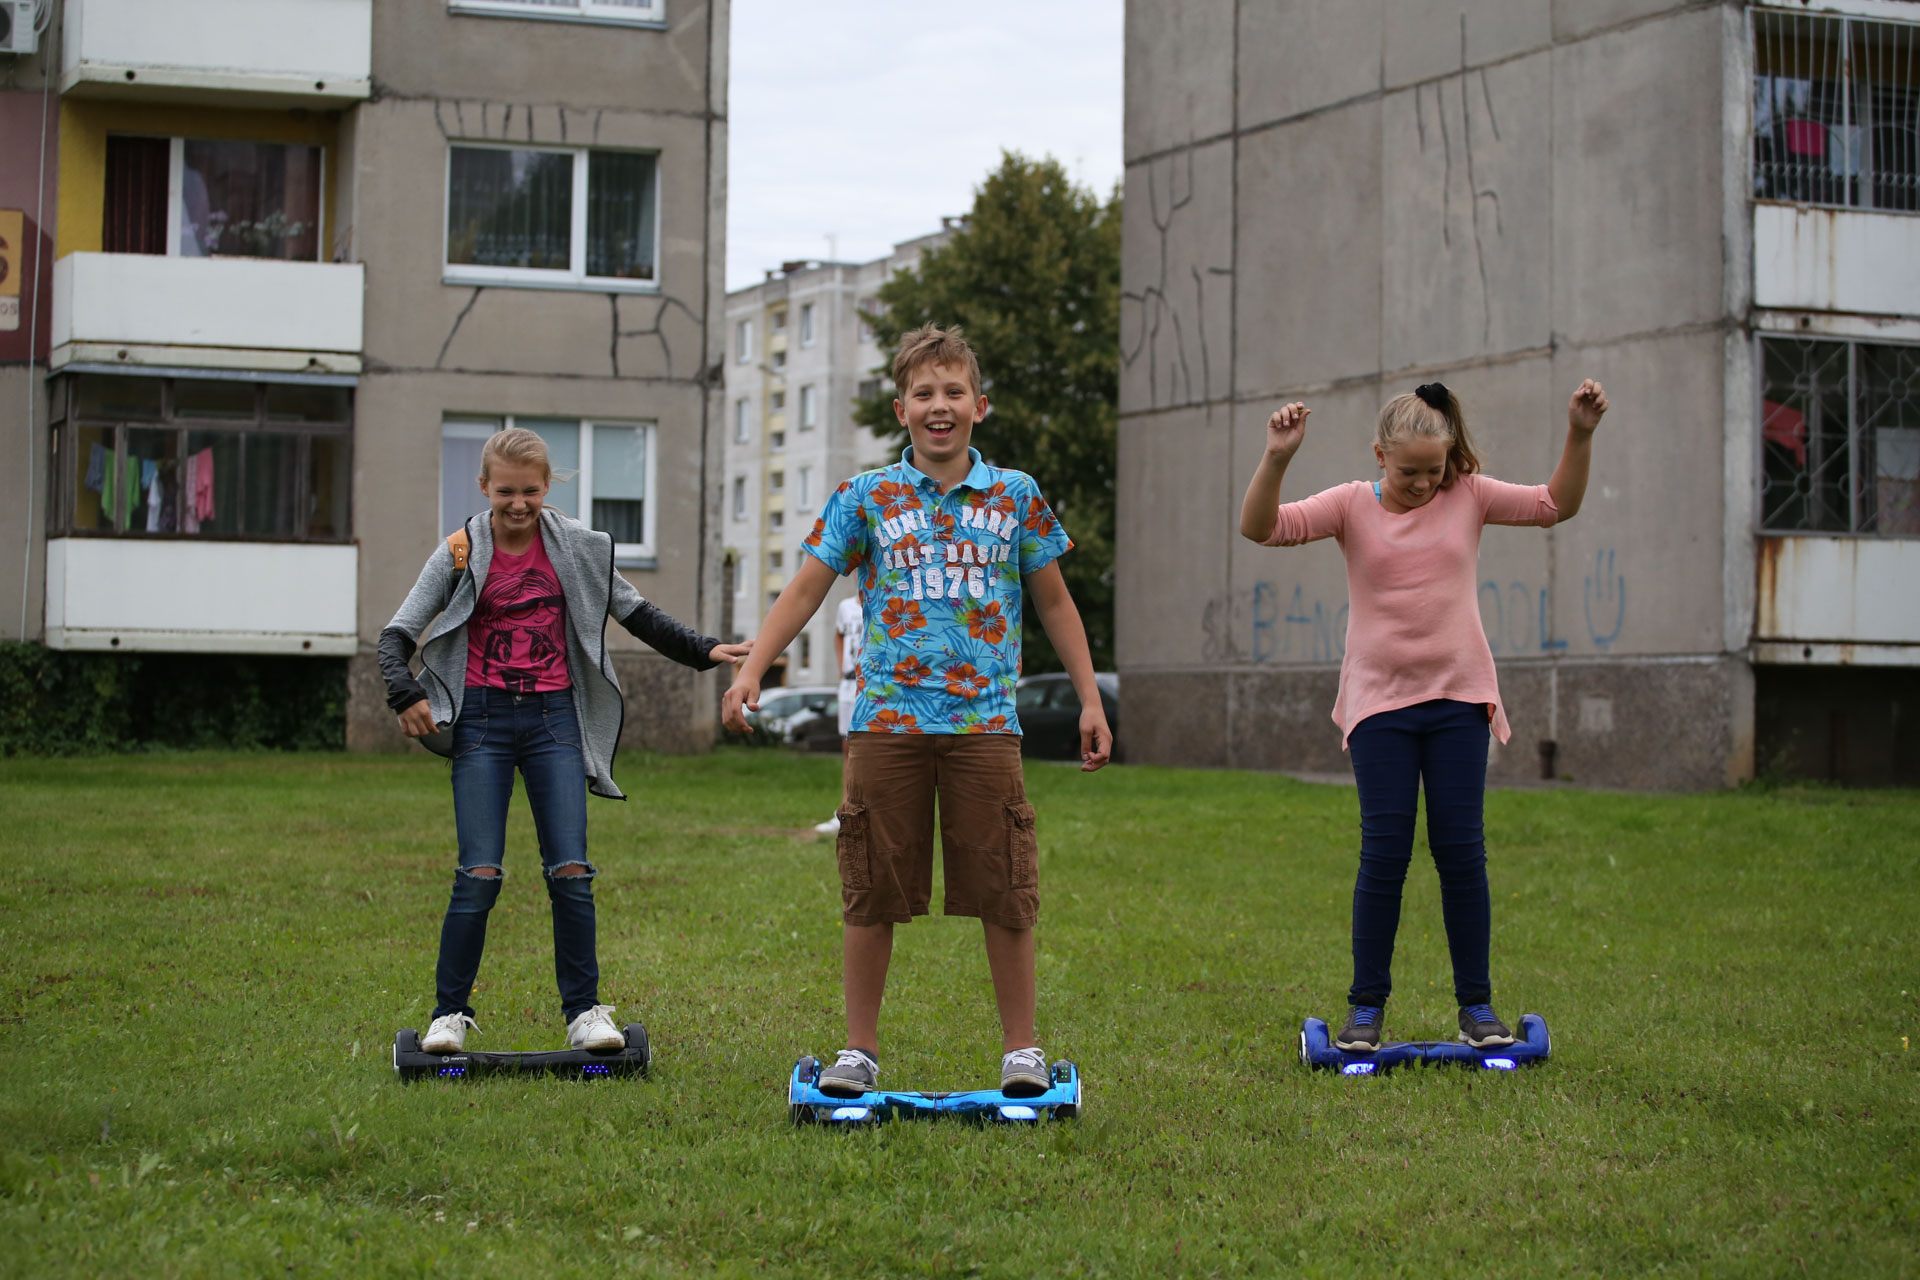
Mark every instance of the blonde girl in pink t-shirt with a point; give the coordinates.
(1418, 693)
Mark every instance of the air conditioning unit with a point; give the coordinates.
(16, 26)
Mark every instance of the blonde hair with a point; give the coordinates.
(1430, 412)
(515, 446)
(930, 344)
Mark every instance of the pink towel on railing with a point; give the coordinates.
(1806, 138)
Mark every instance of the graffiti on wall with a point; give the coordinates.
(1272, 623)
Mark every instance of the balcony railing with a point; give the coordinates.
(301, 52)
(260, 313)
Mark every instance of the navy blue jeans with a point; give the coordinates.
(539, 734)
(1444, 744)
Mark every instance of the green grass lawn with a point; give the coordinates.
(203, 960)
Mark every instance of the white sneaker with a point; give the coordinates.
(448, 1034)
(594, 1030)
(831, 827)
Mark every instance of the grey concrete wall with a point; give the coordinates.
(23, 520)
(1336, 201)
(435, 349)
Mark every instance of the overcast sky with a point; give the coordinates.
(869, 119)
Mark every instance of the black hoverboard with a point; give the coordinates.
(409, 1063)
(1533, 1045)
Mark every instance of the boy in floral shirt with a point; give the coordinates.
(942, 542)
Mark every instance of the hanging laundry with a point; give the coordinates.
(97, 467)
(189, 522)
(132, 490)
(203, 486)
(150, 475)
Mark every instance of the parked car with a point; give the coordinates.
(1050, 714)
(795, 710)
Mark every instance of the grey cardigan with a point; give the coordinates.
(583, 560)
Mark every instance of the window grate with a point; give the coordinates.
(1839, 437)
(1836, 111)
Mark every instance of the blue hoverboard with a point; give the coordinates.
(1531, 1047)
(807, 1105)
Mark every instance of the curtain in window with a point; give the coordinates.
(510, 208)
(136, 195)
(620, 482)
(620, 214)
(460, 496)
(250, 200)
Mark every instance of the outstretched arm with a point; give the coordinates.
(790, 612)
(1054, 603)
(1569, 483)
(1286, 429)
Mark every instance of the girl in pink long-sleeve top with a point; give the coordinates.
(1418, 693)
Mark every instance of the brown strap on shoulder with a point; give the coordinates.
(459, 544)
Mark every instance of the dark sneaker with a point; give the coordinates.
(1481, 1028)
(854, 1074)
(1024, 1074)
(1362, 1032)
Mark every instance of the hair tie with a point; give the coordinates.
(1433, 394)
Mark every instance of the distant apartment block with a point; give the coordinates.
(1714, 208)
(798, 355)
(293, 260)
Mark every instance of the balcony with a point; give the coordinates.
(1846, 601)
(1844, 260)
(201, 597)
(312, 53)
(132, 309)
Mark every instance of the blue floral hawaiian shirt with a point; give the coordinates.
(940, 588)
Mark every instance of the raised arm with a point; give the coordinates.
(1286, 430)
(1569, 483)
(811, 582)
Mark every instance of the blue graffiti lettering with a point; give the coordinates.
(1607, 590)
(1265, 614)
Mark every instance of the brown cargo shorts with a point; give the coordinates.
(986, 829)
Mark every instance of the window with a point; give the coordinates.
(777, 401)
(1835, 101)
(779, 359)
(806, 650)
(191, 457)
(808, 399)
(739, 497)
(776, 561)
(806, 486)
(603, 474)
(743, 342)
(777, 441)
(527, 216)
(806, 324)
(870, 388)
(776, 520)
(742, 425)
(641, 11)
(776, 481)
(1839, 437)
(202, 198)
(778, 321)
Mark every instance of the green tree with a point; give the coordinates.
(1033, 278)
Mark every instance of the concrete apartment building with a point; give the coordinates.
(302, 256)
(798, 355)
(1712, 207)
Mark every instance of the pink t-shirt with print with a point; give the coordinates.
(517, 636)
(1413, 608)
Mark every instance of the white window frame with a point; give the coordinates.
(777, 442)
(806, 324)
(575, 276)
(809, 407)
(742, 421)
(177, 182)
(743, 342)
(626, 555)
(739, 497)
(647, 13)
(806, 487)
(776, 481)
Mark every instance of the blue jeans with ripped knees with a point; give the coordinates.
(539, 734)
(1444, 744)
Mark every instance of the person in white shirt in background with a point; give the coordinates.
(849, 639)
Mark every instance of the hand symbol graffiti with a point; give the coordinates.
(1606, 594)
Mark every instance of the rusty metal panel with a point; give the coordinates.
(1839, 590)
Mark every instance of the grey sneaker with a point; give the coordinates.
(1362, 1032)
(856, 1072)
(1024, 1074)
(1481, 1028)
